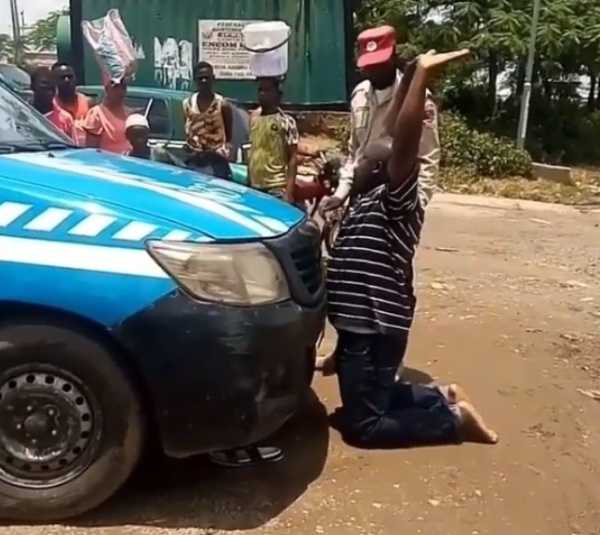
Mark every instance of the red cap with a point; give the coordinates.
(376, 46)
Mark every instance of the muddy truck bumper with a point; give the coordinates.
(220, 377)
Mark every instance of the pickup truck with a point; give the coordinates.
(164, 110)
(138, 300)
(17, 80)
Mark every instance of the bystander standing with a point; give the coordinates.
(274, 144)
(104, 124)
(209, 124)
(44, 90)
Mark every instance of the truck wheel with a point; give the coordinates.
(71, 425)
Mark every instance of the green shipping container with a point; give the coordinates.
(171, 35)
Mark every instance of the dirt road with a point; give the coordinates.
(509, 307)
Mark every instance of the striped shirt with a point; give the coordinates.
(370, 275)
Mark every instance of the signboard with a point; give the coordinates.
(221, 45)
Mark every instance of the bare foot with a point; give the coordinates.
(473, 428)
(456, 394)
(326, 365)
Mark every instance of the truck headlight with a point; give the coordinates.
(235, 274)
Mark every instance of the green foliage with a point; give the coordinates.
(563, 132)
(480, 153)
(484, 25)
(563, 126)
(561, 129)
(569, 30)
(43, 33)
(6, 45)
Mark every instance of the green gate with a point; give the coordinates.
(167, 38)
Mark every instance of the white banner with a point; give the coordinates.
(220, 44)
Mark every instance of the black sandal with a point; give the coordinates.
(247, 457)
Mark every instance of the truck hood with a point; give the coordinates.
(212, 207)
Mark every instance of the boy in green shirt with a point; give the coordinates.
(274, 144)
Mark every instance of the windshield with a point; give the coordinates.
(16, 78)
(23, 128)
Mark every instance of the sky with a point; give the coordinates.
(34, 10)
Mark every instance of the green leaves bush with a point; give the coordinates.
(480, 152)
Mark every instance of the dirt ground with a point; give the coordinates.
(510, 308)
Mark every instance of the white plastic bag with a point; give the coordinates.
(112, 46)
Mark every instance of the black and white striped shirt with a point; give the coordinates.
(370, 274)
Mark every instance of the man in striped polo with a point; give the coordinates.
(370, 288)
(370, 102)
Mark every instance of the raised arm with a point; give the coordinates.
(399, 95)
(407, 124)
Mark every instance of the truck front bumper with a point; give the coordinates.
(221, 377)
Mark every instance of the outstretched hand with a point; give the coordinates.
(430, 66)
(432, 62)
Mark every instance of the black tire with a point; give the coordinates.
(115, 438)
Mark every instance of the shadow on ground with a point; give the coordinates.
(195, 494)
(418, 377)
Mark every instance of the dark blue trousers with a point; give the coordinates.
(379, 412)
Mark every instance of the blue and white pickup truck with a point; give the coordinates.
(138, 299)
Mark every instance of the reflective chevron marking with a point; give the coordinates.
(135, 231)
(48, 220)
(177, 235)
(9, 211)
(92, 225)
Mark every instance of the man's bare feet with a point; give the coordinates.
(326, 365)
(473, 427)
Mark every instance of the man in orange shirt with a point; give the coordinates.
(74, 103)
(44, 90)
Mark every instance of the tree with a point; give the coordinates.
(590, 47)
(43, 33)
(7, 47)
(498, 32)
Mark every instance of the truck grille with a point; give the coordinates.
(299, 252)
(308, 264)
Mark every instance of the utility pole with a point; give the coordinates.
(14, 11)
(526, 97)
